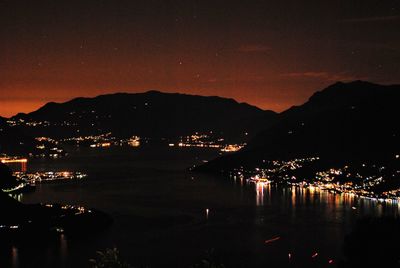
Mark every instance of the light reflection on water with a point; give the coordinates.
(18, 167)
(296, 196)
(270, 199)
(260, 193)
(146, 193)
(14, 257)
(63, 248)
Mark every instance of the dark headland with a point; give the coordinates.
(347, 121)
(20, 221)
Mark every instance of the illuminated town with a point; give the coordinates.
(49, 176)
(207, 141)
(363, 180)
(101, 140)
(26, 180)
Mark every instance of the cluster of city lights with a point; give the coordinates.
(31, 123)
(362, 180)
(103, 140)
(207, 141)
(48, 176)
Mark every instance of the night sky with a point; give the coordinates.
(272, 54)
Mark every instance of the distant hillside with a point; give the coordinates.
(345, 120)
(13, 141)
(150, 114)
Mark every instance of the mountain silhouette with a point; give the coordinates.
(151, 114)
(346, 120)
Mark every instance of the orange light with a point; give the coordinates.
(5, 161)
(272, 240)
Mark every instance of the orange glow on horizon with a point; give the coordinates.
(238, 50)
(10, 108)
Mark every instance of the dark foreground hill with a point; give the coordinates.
(346, 120)
(19, 222)
(151, 114)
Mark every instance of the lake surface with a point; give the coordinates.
(161, 220)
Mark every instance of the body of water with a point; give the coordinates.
(165, 216)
